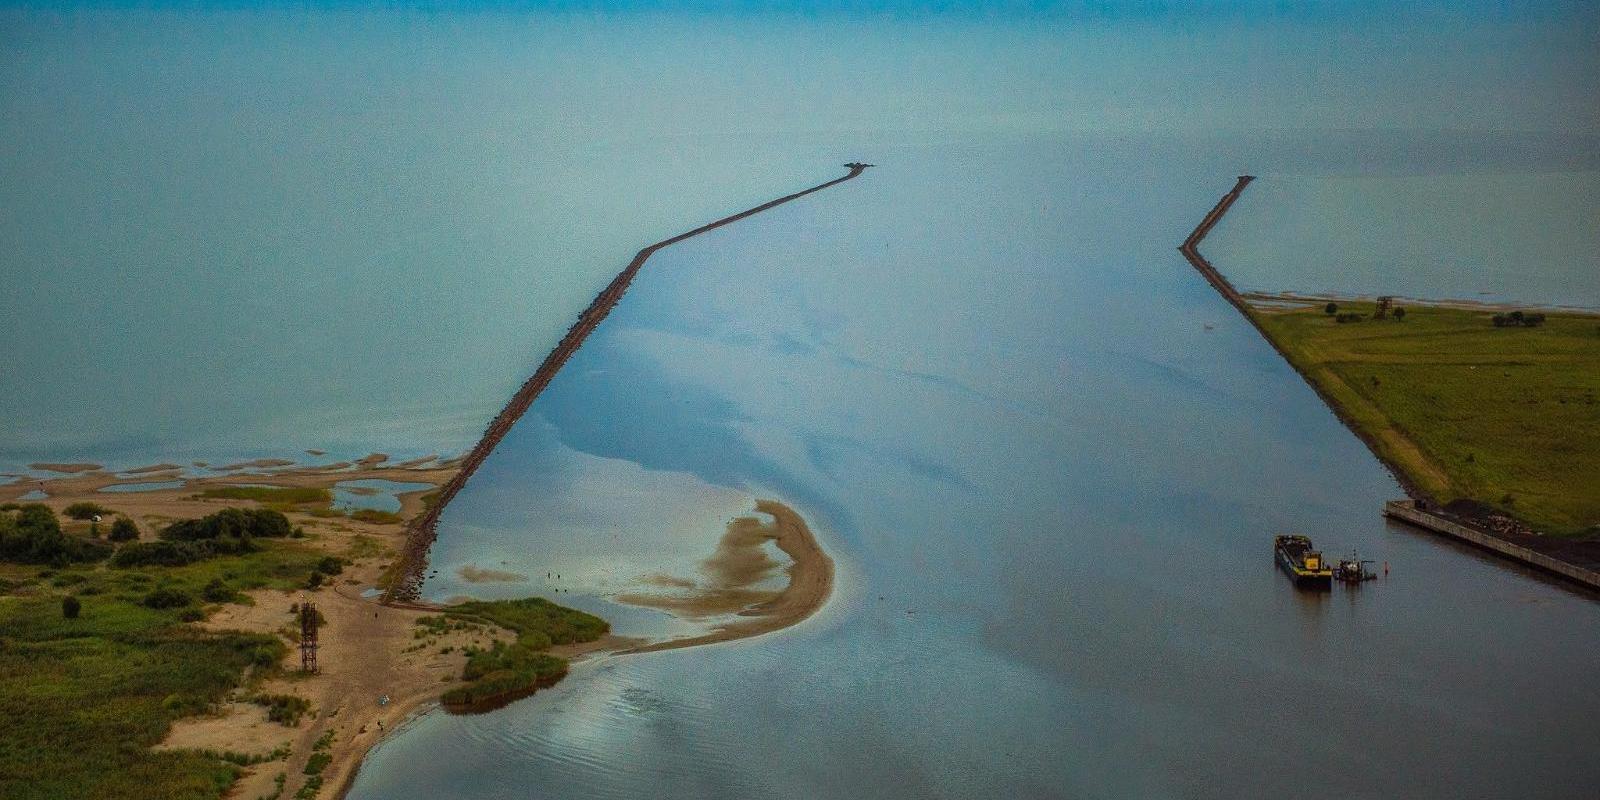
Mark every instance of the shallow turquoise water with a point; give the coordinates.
(143, 486)
(375, 494)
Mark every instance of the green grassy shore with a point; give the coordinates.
(1507, 415)
(99, 654)
(86, 692)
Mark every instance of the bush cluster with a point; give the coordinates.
(230, 523)
(166, 597)
(284, 709)
(123, 530)
(177, 554)
(86, 511)
(1518, 319)
(32, 535)
(231, 531)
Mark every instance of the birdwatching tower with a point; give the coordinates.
(308, 637)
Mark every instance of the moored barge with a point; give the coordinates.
(1301, 562)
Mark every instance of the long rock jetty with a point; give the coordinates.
(409, 570)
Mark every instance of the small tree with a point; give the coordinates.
(70, 607)
(1399, 315)
(123, 530)
(314, 581)
(166, 598)
(216, 591)
(1330, 309)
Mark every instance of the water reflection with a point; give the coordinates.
(1058, 489)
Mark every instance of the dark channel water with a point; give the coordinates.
(1049, 460)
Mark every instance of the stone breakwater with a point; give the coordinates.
(409, 571)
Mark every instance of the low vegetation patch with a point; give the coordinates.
(95, 663)
(86, 511)
(232, 531)
(31, 534)
(275, 495)
(1496, 408)
(376, 517)
(83, 699)
(504, 672)
(284, 709)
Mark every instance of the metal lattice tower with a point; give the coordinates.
(308, 637)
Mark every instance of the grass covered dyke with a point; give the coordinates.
(1508, 416)
(504, 672)
(83, 698)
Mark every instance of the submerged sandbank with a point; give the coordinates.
(733, 575)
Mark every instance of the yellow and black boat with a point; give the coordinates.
(1302, 563)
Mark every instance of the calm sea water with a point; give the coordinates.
(1498, 237)
(1048, 458)
(985, 374)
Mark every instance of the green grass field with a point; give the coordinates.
(82, 700)
(1506, 416)
(504, 672)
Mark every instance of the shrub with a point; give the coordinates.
(86, 510)
(185, 704)
(317, 763)
(70, 607)
(1330, 309)
(284, 709)
(1517, 319)
(376, 517)
(330, 565)
(123, 530)
(33, 535)
(265, 655)
(177, 554)
(166, 597)
(230, 523)
(216, 592)
(314, 580)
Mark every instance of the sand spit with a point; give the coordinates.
(422, 530)
(732, 575)
(66, 469)
(259, 463)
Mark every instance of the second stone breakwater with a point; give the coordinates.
(409, 570)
